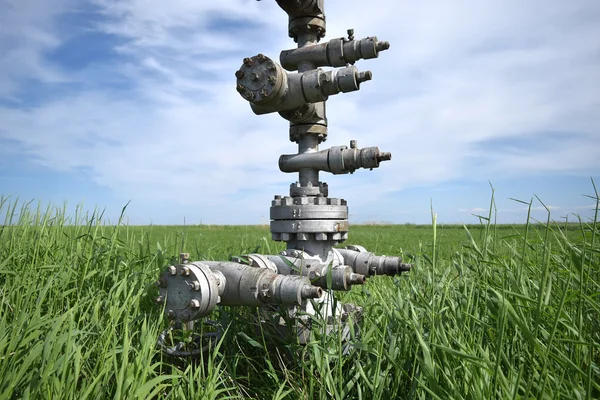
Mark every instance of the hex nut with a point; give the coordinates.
(172, 270)
(321, 236)
(302, 236)
(185, 271)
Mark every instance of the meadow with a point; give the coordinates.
(488, 311)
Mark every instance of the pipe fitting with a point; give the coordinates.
(269, 88)
(337, 160)
(369, 264)
(335, 53)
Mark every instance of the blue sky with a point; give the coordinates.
(108, 101)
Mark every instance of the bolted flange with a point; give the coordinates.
(190, 291)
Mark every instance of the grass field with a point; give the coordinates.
(489, 311)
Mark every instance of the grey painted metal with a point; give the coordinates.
(305, 16)
(307, 200)
(310, 226)
(335, 53)
(337, 160)
(250, 286)
(190, 291)
(310, 222)
(197, 287)
(369, 264)
(297, 190)
(331, 275)
(261, 261)
(268, 88)
(310, 211)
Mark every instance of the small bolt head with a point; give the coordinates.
(249, 95)
(184, 257)
(171, 314)
(261, 58)
(254, 76)
(195, 285)
(247, 61)
(159, 299)
(194, 303)
(296, 253)
(172, 270)
(239, 74)
(185, 271)
(264, 93)
(282, 253)
(240, 88)
(271, 79)
(271, 67)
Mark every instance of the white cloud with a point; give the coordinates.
(460, 78)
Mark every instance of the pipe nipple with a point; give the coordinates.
(384, 156)
(381, 46)
(364, 76)
(311, 292)
(405, 267)
(357, 279)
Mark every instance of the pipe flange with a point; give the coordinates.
(297, 190)
(310, 226)
(305, 208)
(307, 24)
(298, 130)
(189, 291)
(321, 236)
(260, 79)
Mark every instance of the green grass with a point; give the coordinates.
(489, 311)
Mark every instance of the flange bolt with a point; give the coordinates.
(194, 303)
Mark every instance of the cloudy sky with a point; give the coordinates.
(108, 101)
